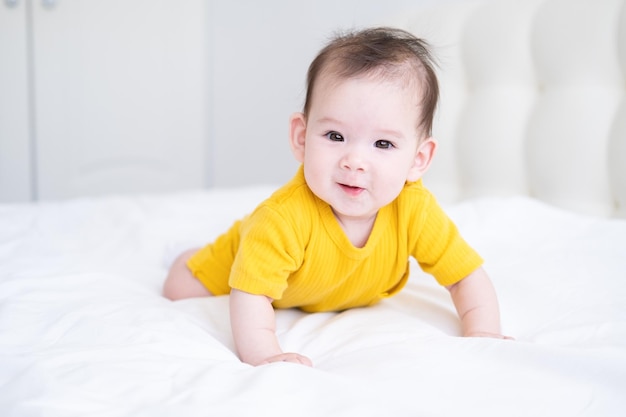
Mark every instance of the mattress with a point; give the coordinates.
(85, 331)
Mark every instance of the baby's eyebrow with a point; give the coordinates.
(390, 133)
(329, 120)
(380, 133)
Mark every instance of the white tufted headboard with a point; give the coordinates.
(533, 101)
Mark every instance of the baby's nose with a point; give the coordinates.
(354, 160)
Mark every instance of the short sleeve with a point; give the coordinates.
(440, 249)
(268, 253)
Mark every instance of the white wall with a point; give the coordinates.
(257, 55)
(261, 53)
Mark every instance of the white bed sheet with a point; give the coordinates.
(84, 330)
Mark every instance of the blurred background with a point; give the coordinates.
(103, 97)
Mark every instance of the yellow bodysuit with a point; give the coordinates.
(293, 250)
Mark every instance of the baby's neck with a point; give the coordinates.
(357, 230)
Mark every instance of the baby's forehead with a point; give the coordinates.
(333, 95)
(405, 75)
(403, 85)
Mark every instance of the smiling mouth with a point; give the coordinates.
(351, 190)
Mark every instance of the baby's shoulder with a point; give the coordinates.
(290, 197)
(415, 196)
(291, 206)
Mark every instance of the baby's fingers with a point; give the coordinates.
(289, 357)
(491, 335)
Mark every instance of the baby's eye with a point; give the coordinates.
(383, 144)
(334, 136)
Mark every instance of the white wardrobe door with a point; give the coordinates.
(15, 163)
(121, 96)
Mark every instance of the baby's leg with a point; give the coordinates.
(180, 283)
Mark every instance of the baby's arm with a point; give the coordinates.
(254, 330)
(477, 305)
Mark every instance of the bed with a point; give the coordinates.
(532, 168)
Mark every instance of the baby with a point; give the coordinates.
(340, 233)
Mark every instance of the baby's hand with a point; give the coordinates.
(487, 334)
(288, 357)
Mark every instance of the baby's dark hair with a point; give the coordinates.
(387, 52)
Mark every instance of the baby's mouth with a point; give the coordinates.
(351, 189)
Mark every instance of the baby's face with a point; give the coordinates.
(361, 143)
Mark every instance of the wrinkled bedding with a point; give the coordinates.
(84, 330)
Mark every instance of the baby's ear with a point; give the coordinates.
(423, 158)
(297, 135)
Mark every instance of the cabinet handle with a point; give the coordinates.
(10, 3)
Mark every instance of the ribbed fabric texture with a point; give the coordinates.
(292, 249)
